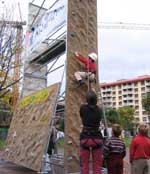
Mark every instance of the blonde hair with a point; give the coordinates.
(143, 129)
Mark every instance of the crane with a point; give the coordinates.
(123, 25)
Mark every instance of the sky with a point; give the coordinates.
(123, 54)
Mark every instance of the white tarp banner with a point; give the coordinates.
(51, 22)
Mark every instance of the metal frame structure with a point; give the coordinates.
(93, 45)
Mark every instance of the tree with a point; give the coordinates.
(5, 113)
(112, 116)
(126, 115)
(10, 50)
(146, 104)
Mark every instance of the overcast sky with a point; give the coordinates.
(122, 53)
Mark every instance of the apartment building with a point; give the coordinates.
(127, 93)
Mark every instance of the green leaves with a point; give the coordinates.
(146, 102)
(123, 116)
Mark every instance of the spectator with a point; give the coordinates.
(114, 151)
(140, 151)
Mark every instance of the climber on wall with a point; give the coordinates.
(89, 67)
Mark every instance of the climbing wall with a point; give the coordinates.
(29, 130)
(81, 37)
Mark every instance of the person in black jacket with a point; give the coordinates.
(91, 137)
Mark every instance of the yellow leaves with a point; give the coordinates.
(126, 113)
(2, 73)
(2, 76)
(35, 98)
(7, 99)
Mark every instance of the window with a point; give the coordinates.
(143, 88)
(114, 98)
(142, 82)
(114, 93)
(120, 92)
(137, 119)
(114, 104)
(144, 119)
(144, 112)
(135, 84)
(137, 112)
(119, 87)
(130, 89)
(148, 88)
(136, 89)
(120, 103)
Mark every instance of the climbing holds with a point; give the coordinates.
(72, 34)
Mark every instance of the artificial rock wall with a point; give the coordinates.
(28, 134)
(81, 37)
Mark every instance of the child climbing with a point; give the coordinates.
(89, 68)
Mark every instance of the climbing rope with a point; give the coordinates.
(88, 79)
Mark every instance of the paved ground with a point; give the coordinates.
(126, 162)
(10, 168)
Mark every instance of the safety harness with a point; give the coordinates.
(92, 133)
(88, 77)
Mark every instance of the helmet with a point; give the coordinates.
(93, 56)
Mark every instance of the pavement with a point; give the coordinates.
(127, 166)
(11, 168)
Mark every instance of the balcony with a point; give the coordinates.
(127, 86)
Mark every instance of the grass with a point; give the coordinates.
(61, 142)
(2, 144)
(127, 141)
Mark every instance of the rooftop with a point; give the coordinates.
(124, 81)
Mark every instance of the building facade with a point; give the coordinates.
(127, 93)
